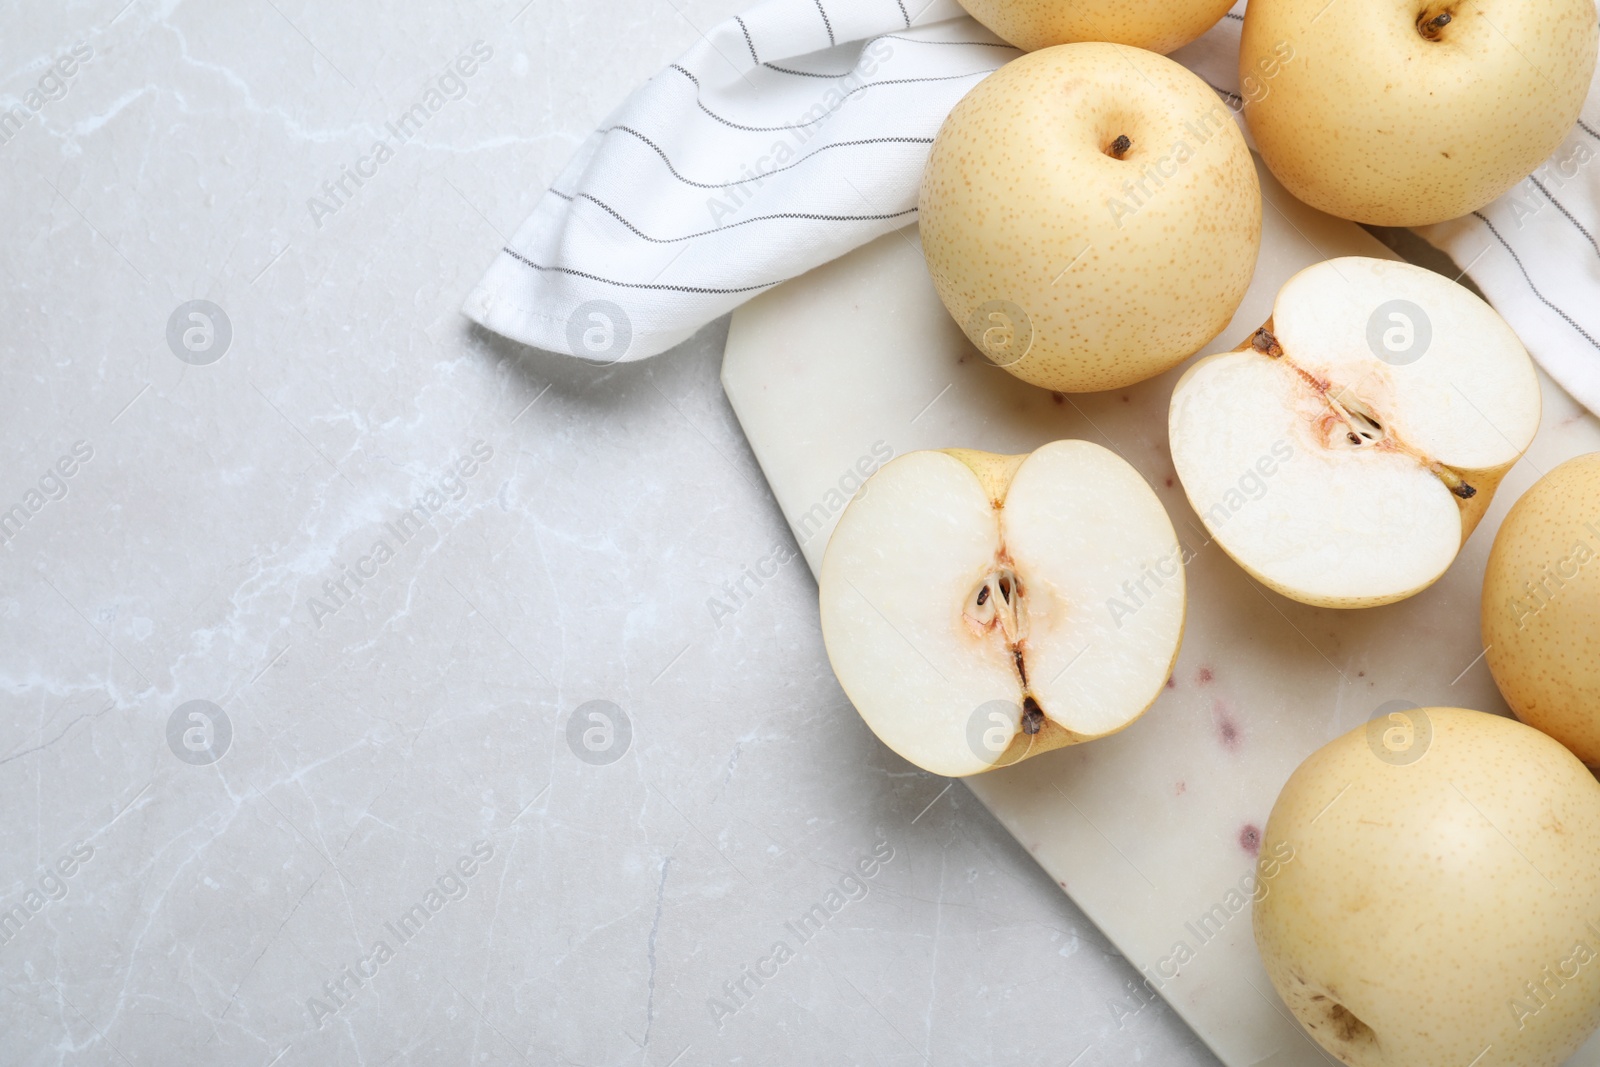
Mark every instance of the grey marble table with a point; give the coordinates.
(308, 591)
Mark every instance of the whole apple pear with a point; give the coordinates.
(1090, 216)
(1409, 112)
(1157, 25)
(1432, 897)
(1541, 606)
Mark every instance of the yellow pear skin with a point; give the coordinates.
(1430, 894)
(1156, 25)
(1407, 113)
(1541, 607)
(1090, 216)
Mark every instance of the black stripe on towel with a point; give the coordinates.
(525, 261)
(1234, 97)
(766, 173)
(1537, 184)
(890, 37)
(826, 21)
(802, 125)
(917, 40)
(1534, 288)
(609, 210)
(807, 73)
(747, 40)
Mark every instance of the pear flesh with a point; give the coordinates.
(979, 609)
(1344, 453)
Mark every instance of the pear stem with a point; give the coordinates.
(1263, 341)
(1120, 146)
(1032, 716)
(1454, 482)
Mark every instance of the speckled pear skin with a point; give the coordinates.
(1403, 908)
(1153, 24)
(1541, 606)
(1024, 204)
(1372, 120)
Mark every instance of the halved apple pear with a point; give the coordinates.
(979, 609)
(1344, 453)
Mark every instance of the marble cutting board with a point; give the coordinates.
(1149, 830)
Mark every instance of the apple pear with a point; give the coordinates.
(1344, 453)
(1090, 216)
(1541, 606)
(1439, 905)
(1403, 114)
(1149, 24)
(979, 609)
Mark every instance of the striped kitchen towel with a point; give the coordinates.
(1533, 254)
(788, 136)
(798, 131)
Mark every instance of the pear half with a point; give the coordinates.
(1343, 454)
(979, 609)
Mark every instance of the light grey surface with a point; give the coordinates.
(373, 746)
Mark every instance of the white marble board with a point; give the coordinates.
(1150, 829)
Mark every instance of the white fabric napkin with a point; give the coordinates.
(798, 131)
